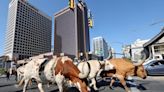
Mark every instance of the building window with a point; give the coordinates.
(159, 49)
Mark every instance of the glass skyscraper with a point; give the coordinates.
(72, 31)
(28, 30)
(100, 47)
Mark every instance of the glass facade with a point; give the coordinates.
(100, 47)
(28, 31)
(71, 32)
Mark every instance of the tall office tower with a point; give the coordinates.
(28, 30)
(72, 31)
(100, 47)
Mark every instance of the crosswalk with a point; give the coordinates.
(133, 88)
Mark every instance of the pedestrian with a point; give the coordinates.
(7, 75)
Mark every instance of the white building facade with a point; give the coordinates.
(100, 47)
(136, 49)
(28, 30)
(155, 47)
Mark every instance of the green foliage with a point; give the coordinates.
(2, 71)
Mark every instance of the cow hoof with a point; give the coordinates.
(96, 90)
(111, 87)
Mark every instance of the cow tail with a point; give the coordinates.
(84, 74)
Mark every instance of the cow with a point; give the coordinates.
(93, 68)
(124, 68)
(31, 71)
(20, 72)
(56, 70)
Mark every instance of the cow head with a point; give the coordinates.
(139, 70)
(66, 67)
(108, 65)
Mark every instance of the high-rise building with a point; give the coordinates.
(28, 30)
(72, 31)
(100, 47)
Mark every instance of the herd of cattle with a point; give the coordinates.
(62, 70)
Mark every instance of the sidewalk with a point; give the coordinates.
(2, 76)
(158, 78)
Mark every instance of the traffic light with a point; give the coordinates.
(90, 22)
(90, 19)
(71, 4)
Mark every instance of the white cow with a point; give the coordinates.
(20, 72)
(31, 70)
(93, 68)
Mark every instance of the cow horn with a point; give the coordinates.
(142, 60)
(109, 56)
(102, 62)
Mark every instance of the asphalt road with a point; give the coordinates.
(151, 84)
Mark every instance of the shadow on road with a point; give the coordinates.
(102, 83)
(7, 85)
(138, 86)
(107, 83)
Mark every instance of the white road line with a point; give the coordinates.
(134, 86)
(134, 89)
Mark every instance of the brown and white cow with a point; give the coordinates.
(123, 69)
(56, 70)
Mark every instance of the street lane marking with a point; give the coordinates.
(134, 89)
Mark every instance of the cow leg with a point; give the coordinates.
(40, 87)
(59, 80)
(111, 83)
(48, 84)
(93, 82)
(30, 82)
(99, 72)
(123, 82)
(20, 83)
(25, 85)
(18, 77)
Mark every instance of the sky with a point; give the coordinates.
(120, 22)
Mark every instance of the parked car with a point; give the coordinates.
(155, 67)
